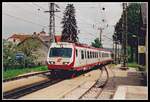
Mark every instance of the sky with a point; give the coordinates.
(29, 17)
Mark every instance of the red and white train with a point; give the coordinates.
(66, 56)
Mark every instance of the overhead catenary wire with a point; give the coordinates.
(30, 12)
(38, 6)
(19, 18)
(91, 33)
(25, 20)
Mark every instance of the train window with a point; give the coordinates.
(82, 54)
(88, 54)
(76, 53)
(102, 54)
(99, 54)
(60, 52)
(85, 53)
(92, 54)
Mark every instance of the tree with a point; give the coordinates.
(97, 43)
(133, 23)
(9, 51)
(69, 32)
(30, 47)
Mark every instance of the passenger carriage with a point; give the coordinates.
(64, 56)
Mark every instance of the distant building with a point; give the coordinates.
(40, 38)
(17, 38)
(41, 51)
(43, 36)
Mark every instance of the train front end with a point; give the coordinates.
(61, 56)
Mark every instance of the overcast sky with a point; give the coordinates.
(23, 17)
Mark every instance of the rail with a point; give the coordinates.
(24, 76)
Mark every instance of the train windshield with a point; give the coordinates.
(60, 52)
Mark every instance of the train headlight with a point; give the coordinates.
(65, 62)
(51, 62)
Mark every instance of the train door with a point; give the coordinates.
(77, 58)
(82, 57)
(99, 57)
(85, 57)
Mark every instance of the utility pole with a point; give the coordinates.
(124, 37)
(100, 37)
(100, 28)
(115, 52)
(52, 20)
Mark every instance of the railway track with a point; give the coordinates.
(89, 89)
(97, 88)
(24, 90)
(19, 92)
(14, 94)
(25, 76)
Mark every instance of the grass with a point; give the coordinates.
(133, 65)
(15, 72)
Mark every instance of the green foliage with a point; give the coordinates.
(133, 65)
(69, 32)
(9, 50)
(97, 43)
(28, 47)
(15, 72)
(133, 23)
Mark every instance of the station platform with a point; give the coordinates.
(126, 92)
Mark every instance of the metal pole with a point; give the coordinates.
(124, 37)
(113, 52)
(52, 20)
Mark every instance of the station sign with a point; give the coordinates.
(141, 49)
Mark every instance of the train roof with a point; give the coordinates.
(84, 45)
(91, 47)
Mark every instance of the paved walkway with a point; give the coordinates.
(128, 78)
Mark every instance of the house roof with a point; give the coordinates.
(20, 37)
(42, 38)
(35, 37)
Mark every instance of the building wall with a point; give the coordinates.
(40, 52)
(14, 40)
